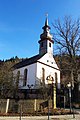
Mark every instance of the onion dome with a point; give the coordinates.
(46, 31)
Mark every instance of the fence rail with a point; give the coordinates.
(28, 106)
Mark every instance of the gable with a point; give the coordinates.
(48, 60)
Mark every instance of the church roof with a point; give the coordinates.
(27, 61)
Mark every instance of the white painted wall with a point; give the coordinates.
(49, 60)
(49, 49)
(35, 71)
(31, 76)
(48, 63)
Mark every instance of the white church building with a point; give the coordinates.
(39, 69)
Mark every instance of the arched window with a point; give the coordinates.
(43, 76)
(17, 78)
(25, 77)
(56, 79)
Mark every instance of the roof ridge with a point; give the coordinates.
(27, 61)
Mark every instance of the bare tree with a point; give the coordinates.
(6, 82)
(7, 86)
(67, 38)
(67, 35)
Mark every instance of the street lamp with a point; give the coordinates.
(69, 87)
(30, 89)
(30, 86)
(51, 81)
(48, 78)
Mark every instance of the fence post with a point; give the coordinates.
(7, 106)
(20, 111)
(35, 105)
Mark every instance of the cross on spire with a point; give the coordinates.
(46, 14)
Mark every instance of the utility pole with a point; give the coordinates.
(48, 106)
(69, 87)
(20, 111)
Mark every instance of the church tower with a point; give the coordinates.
(46, 42)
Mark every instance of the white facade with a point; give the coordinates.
(50, 67)
(38, 70)
(34, 75)
(31, 75)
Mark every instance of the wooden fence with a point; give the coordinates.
(26, 106)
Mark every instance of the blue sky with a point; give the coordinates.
(21, 23)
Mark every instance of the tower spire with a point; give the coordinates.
(46, 42)
(46, 30)
(46, 21)
(46, 27)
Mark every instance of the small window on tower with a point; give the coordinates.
(49, 44)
